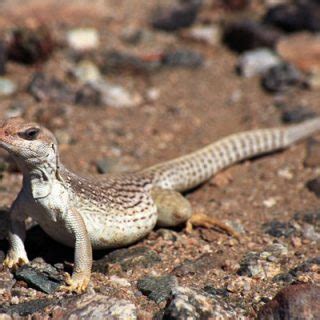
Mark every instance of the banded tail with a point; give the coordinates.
(191, 170)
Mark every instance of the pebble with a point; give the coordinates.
(293, 302)
(157, 289)
(312, 158)
(183, 58)
(295, 16)
(278, 229)
(45, 88)
(314, 186)
(83, 39)
(270, 202)
(209, 34)
(309, 232)
(3, 57)
(37, 279)
(98, 306)
(302, 50)
(281, 77)
(86, 71)
(128, 259)
(177, 17)
(88, 95)
(258, 61)
(117, 96)
(296, 114)
(247, 35)
(7, 87)
(30, 45)
(187, 303)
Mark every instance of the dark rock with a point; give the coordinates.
(38, 279)
(306, 266)
(97, 306)
(282, 77)
(188, 304)
(175, 18)
(27, 308)
(223, 292)
(157, 289)
(296, 115)
(278, 229)
(105, 165)
(183, 58)
(295, 17)
(128, 259)
(3, 57)
(44, 88)
(198, 266)
(115, 61)
(235, 5)
(88, 95)
(284, 277)
(31, 46)
(312, 218)
(312, 158)
(249, 265)
(248, 35)
(293, 302)
(314, 186)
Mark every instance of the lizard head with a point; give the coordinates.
(29, 143)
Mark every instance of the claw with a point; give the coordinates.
(77, 283)
(14, 263)
(200, 219)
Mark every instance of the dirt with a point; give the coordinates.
(195, 107)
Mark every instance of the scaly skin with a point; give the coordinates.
(116, 210)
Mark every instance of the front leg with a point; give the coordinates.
(83, 253)
(16, 255)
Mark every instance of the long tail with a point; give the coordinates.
(191, 170)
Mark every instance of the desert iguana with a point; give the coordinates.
(115, 210)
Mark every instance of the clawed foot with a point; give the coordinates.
(78, 283)
(13, 262)
(202, 220)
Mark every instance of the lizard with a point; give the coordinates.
(117, 209)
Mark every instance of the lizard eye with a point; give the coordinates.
(30, 134)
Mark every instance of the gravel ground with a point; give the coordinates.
(177, 110)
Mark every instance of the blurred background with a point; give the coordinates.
(127, 84)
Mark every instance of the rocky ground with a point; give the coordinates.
(126, 84)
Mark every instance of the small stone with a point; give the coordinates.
(36, 279)
(269, 203)
(3, 57)
(122, 282)
(116, 96)
(183, 58)
(285, 173)
(98, 306)
(31, 45)
(256, 62)
(295, 16)
(174, 18)
(168, 235)
(281, 77)
(207, 34)
(293, 302)
(278, 229)
(212, 291)
(105, 165)
(153, 94)
(83, 39)
(314, 186)
(301, 50)
(88, 95)
(312, 158)
(45, 88)
(296, 114)
(309, 232)
(86, 72)
(128, 259)
(7, 87)
(248, 35)
(157, 289)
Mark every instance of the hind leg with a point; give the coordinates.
(174, 209)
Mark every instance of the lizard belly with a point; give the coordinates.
(117, 227)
